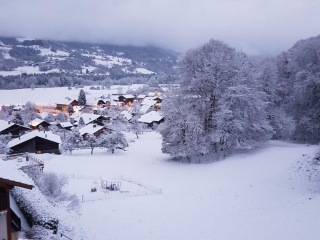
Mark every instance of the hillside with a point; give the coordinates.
(22, 55)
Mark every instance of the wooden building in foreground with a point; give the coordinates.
(10, 222)
(36, 142)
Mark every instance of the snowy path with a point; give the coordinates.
(254, 196)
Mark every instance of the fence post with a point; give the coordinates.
(82, 198)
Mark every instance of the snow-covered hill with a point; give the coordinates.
(25, 55)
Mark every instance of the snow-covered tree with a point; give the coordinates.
(113, 140)
(61, 117)
(81, 122)
(72, 140)
(70, 109)
(50, 118)
(17, 118)
(219, 101)
(136, 125)
(28, 112)
(182, 129)
(4, 139)
(82, 98)
(91, 141)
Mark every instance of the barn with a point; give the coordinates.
(35, 142)
(7, 127)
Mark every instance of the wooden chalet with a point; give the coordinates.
(141, 97)
(91, 118)
(65, 125)
(128, 98)
(36, 123)
(10, 222)
(151, 118)
(7, 127)
(35, 142)
(62, 106)
(94, 129)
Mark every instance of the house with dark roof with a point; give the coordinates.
(10, 222)
(7, 127)
(35, 142)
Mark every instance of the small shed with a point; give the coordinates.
(36, 142)
(63, 105)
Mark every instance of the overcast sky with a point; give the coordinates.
(256, 26)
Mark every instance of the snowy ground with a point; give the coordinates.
(261, 195)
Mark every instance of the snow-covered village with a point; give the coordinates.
(164, 124)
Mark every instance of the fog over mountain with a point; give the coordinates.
(257, 27)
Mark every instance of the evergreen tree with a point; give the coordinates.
(81, 122)
(70, 109)
(82, 98)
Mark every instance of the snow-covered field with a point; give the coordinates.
(264, 194)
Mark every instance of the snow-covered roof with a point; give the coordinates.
(17, 108)
(66, 101)
(78, 108)
(35, 122)
(87, 117)
(141, 96)
(148, 101)
(5, 124)
(127, 115)
(144, 108)
(150, 117)
(7, 171)
(128, 96)
(45, 135)
(90, 129)
(65, 124)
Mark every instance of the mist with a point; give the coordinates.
(257, 27)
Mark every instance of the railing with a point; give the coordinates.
(3, 202)
(15, 220)
(36, 160)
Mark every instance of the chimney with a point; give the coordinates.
(94, 125)
(45, 135)
(19, 135)
(8, 122)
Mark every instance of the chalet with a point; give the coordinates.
(65, 125)
(91, 118)
(35, 142)
(141, 97)
(17, 108)
(94, 129)
(151, 118)
(62, 106)
(7, 127)
(128, 98)
(36, 123)
(10, 222)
